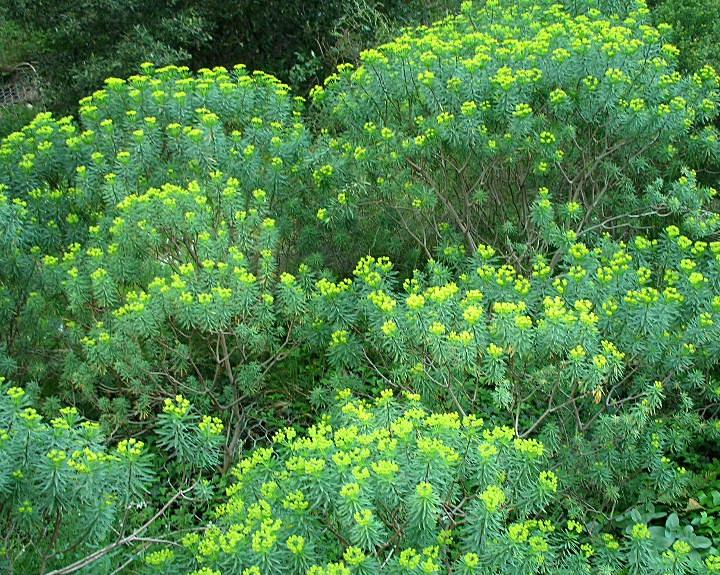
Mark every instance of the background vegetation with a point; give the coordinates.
(76, 45)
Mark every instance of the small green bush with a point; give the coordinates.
(165, 190)
(180, 292)
(65, 493)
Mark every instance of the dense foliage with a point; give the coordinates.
(387, 487)
(85, 210)
(476, 114)
(613, 358)
(693, 30)
(64, 494)
(543, 179)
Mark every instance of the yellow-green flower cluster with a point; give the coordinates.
(131, 448)
(211, 425)
(177, 406)
(493, 497)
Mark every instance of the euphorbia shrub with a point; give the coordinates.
(386, 486)
(68, 498)
(179, 293)
(147, 250)
(613, 358)
(167, 174)
(451, 131)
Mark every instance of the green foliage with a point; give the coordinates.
(704, 506)
(694, 29)
(181, 292)
(13, 118)
(162, 126)
(65, 493)
(15, 47)
(386, 486)
(615, 354)
(77, 45)
(451, 131)
(667, 530)
(545, 181)
(142, 242)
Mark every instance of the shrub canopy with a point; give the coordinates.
(516, 121)
(166, 187)
(615, 354)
